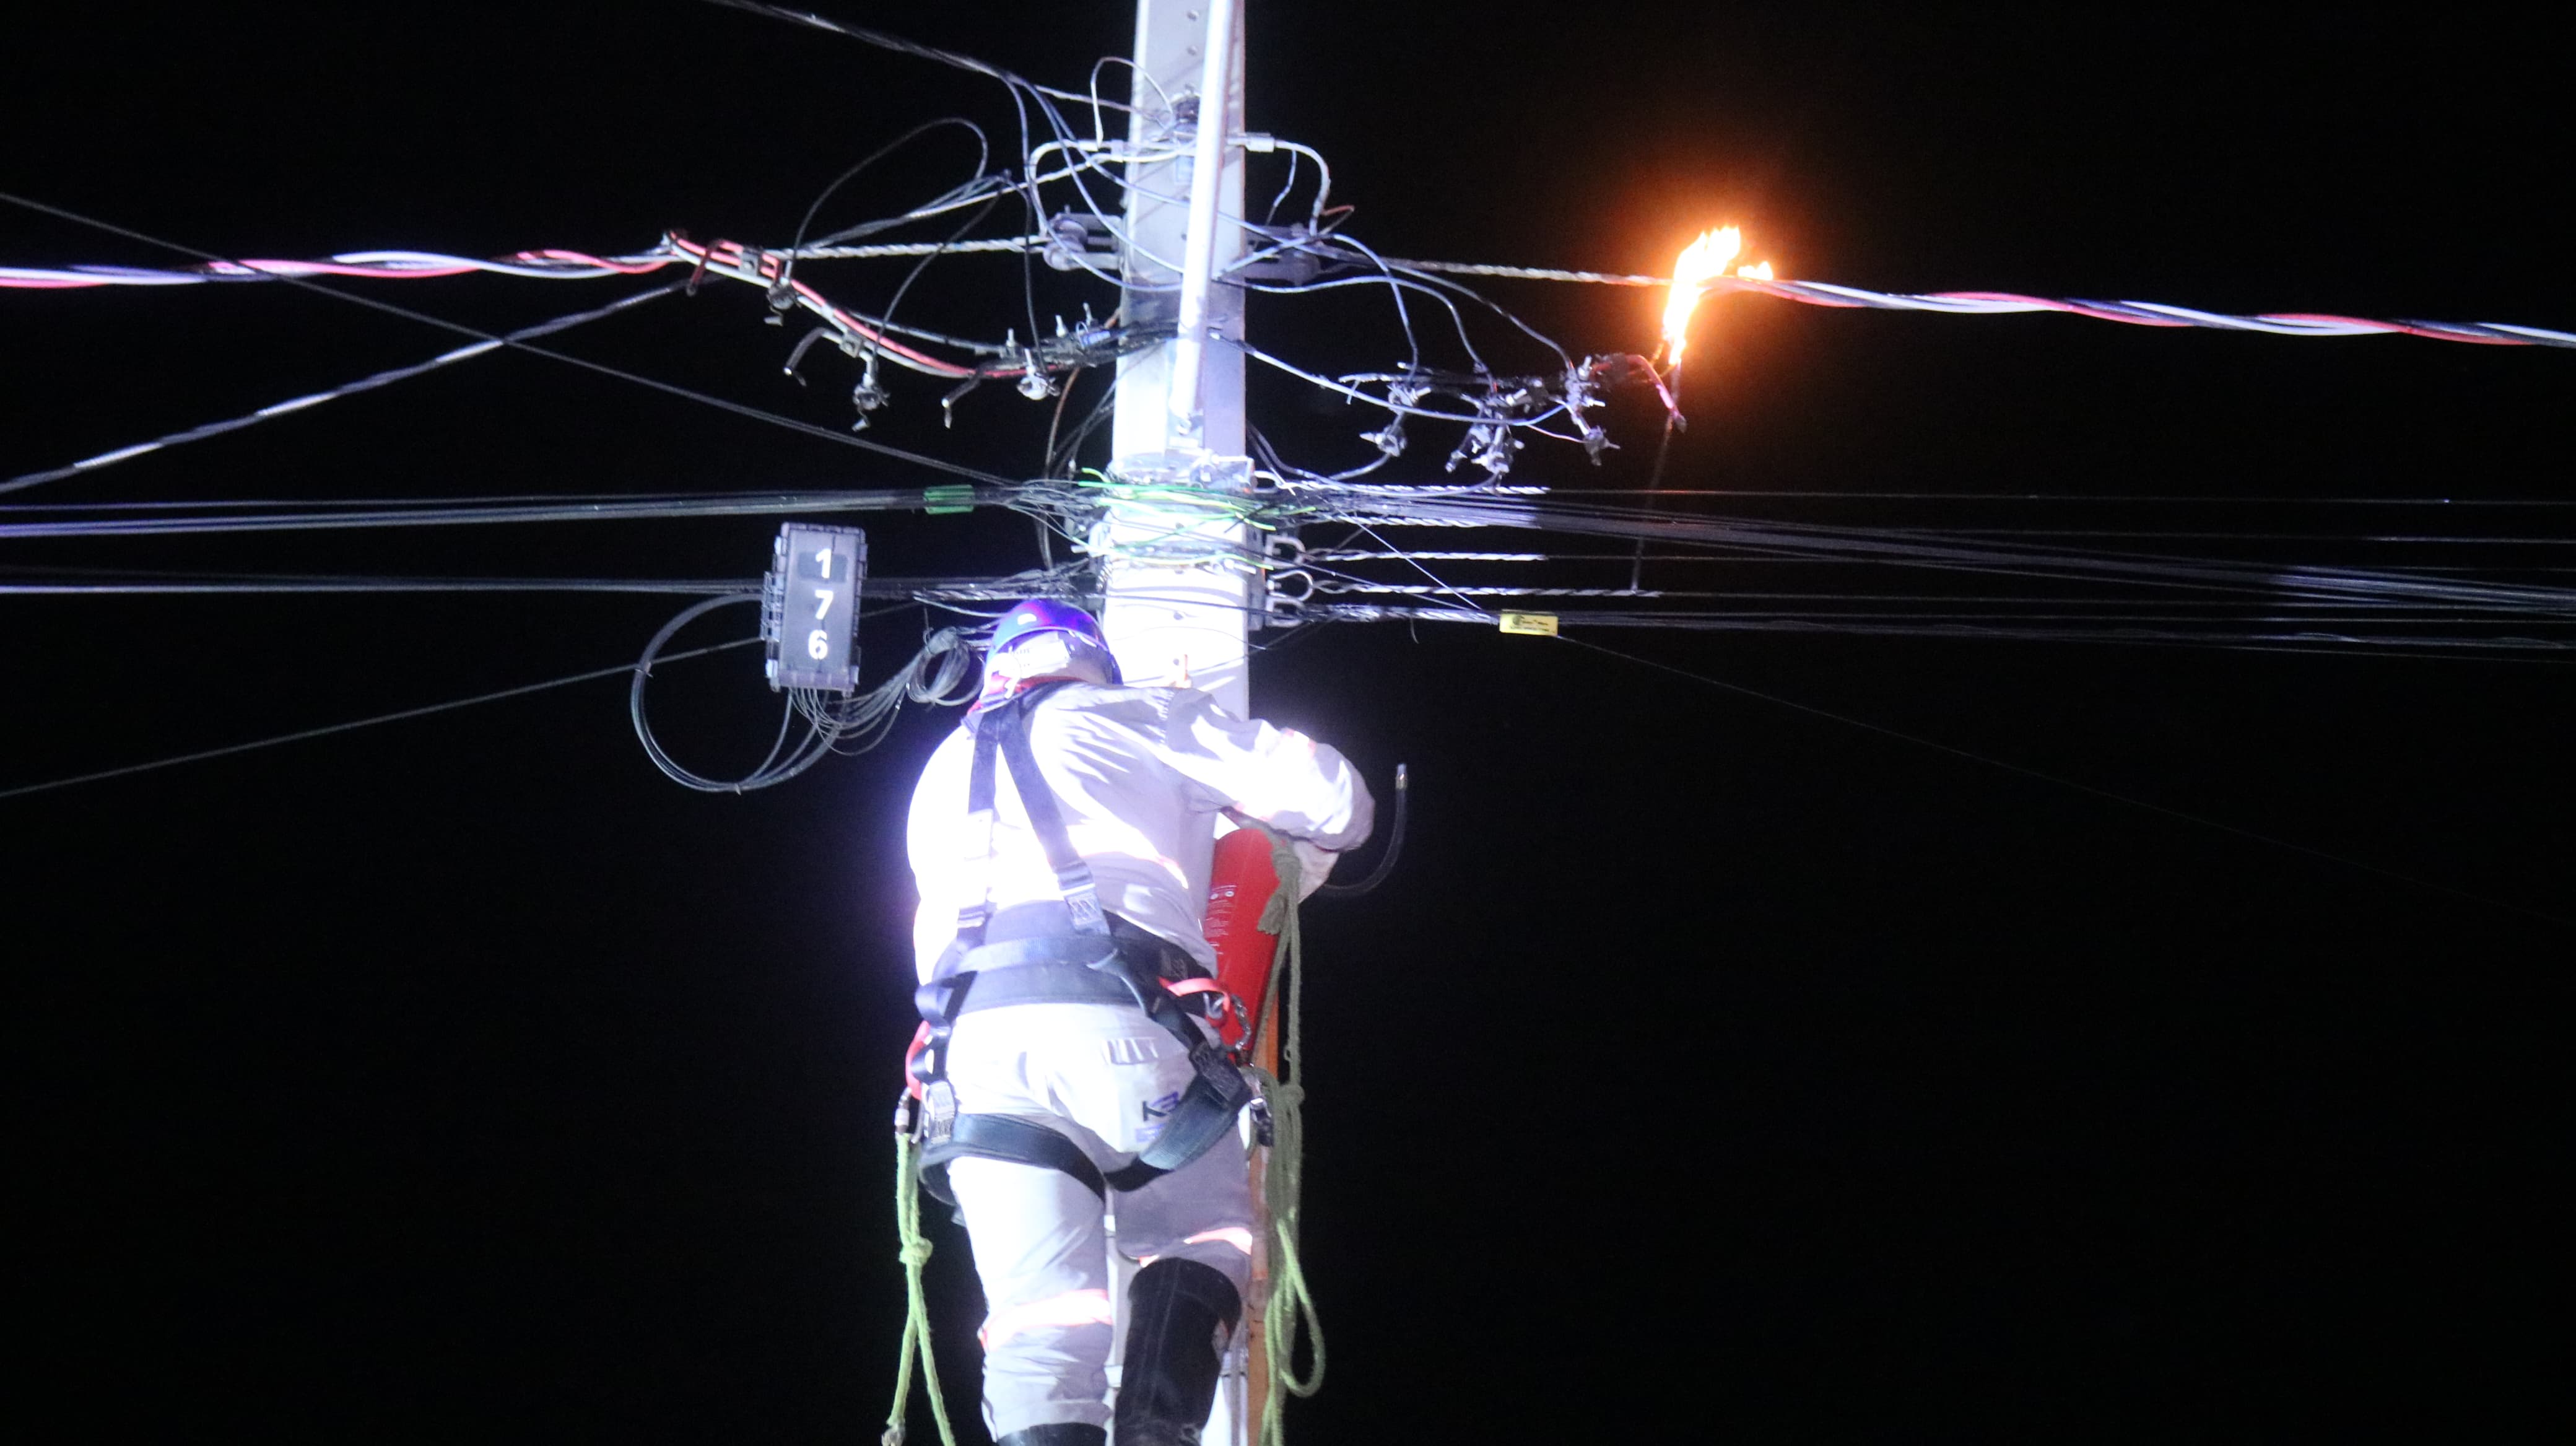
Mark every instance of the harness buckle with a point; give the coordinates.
(1219, 1072)
(938, 1112)
(1087, 915)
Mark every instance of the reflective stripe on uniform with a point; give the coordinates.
(1073, 1308)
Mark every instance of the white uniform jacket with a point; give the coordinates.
(1141, 774)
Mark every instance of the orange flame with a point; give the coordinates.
(1701, 262)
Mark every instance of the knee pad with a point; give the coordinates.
(1179, 1313)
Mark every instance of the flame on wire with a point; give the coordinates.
(1701, 262)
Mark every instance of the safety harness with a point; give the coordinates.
(1101, 960)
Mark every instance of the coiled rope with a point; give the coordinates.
(914, 1253)
(1291, 1305)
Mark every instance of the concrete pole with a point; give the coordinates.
(1177, 610)
(1181, 618)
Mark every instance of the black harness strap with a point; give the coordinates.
(1003, 1137)
(1216, 1093)
(1073, 877)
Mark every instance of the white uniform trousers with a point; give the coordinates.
(1107, 1078)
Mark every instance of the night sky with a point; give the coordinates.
(1707, 1067)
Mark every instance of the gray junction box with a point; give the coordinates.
(809, 607)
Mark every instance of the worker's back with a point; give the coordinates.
(1139, 774)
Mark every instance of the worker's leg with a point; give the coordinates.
(1200, 1212)
(1107, 1078)
(1038, 1236)
(1193, 1231)
(1043, 1258)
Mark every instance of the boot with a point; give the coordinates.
(1057, 1433)
(1175, 1312)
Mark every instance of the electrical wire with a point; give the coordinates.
(546, 265)
(200, 755)
(1996, 303)
(983, 160)
(1897, 546)
(2310, 640)
(364, 384)
(1058, 581)
(936, 675)
(1394, 845)
(344, 516)
(193, 587)
(666, 388)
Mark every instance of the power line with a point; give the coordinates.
(602, 368)
(2306, 638)
(1996, 303)
(76, 582)
(363, 384)
(342, 516)
(1900, 546)
(2201, 820)
(328, 729)
(90, 582)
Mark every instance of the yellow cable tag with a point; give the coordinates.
(1534, 625)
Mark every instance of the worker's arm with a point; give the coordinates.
(1279, 776)
(934, 837)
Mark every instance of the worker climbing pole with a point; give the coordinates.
(1079, 1083)
(1070, 1070)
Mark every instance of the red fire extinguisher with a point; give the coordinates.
(1240, 887)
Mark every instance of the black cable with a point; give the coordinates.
(2492, 649)
(30, 580)
(14, 587)
(1394, 845)
(1898, 547)
(761, 777)
(2061, 781)
(862, 720)
(983, 158)
(568, 510)
(923, 264)
(297, 737)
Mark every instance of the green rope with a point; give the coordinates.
(1291, 1305)
(916, 1323)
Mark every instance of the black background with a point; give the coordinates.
(1708, 1067)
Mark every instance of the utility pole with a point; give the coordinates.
(1179, 594)
(1176, 612)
